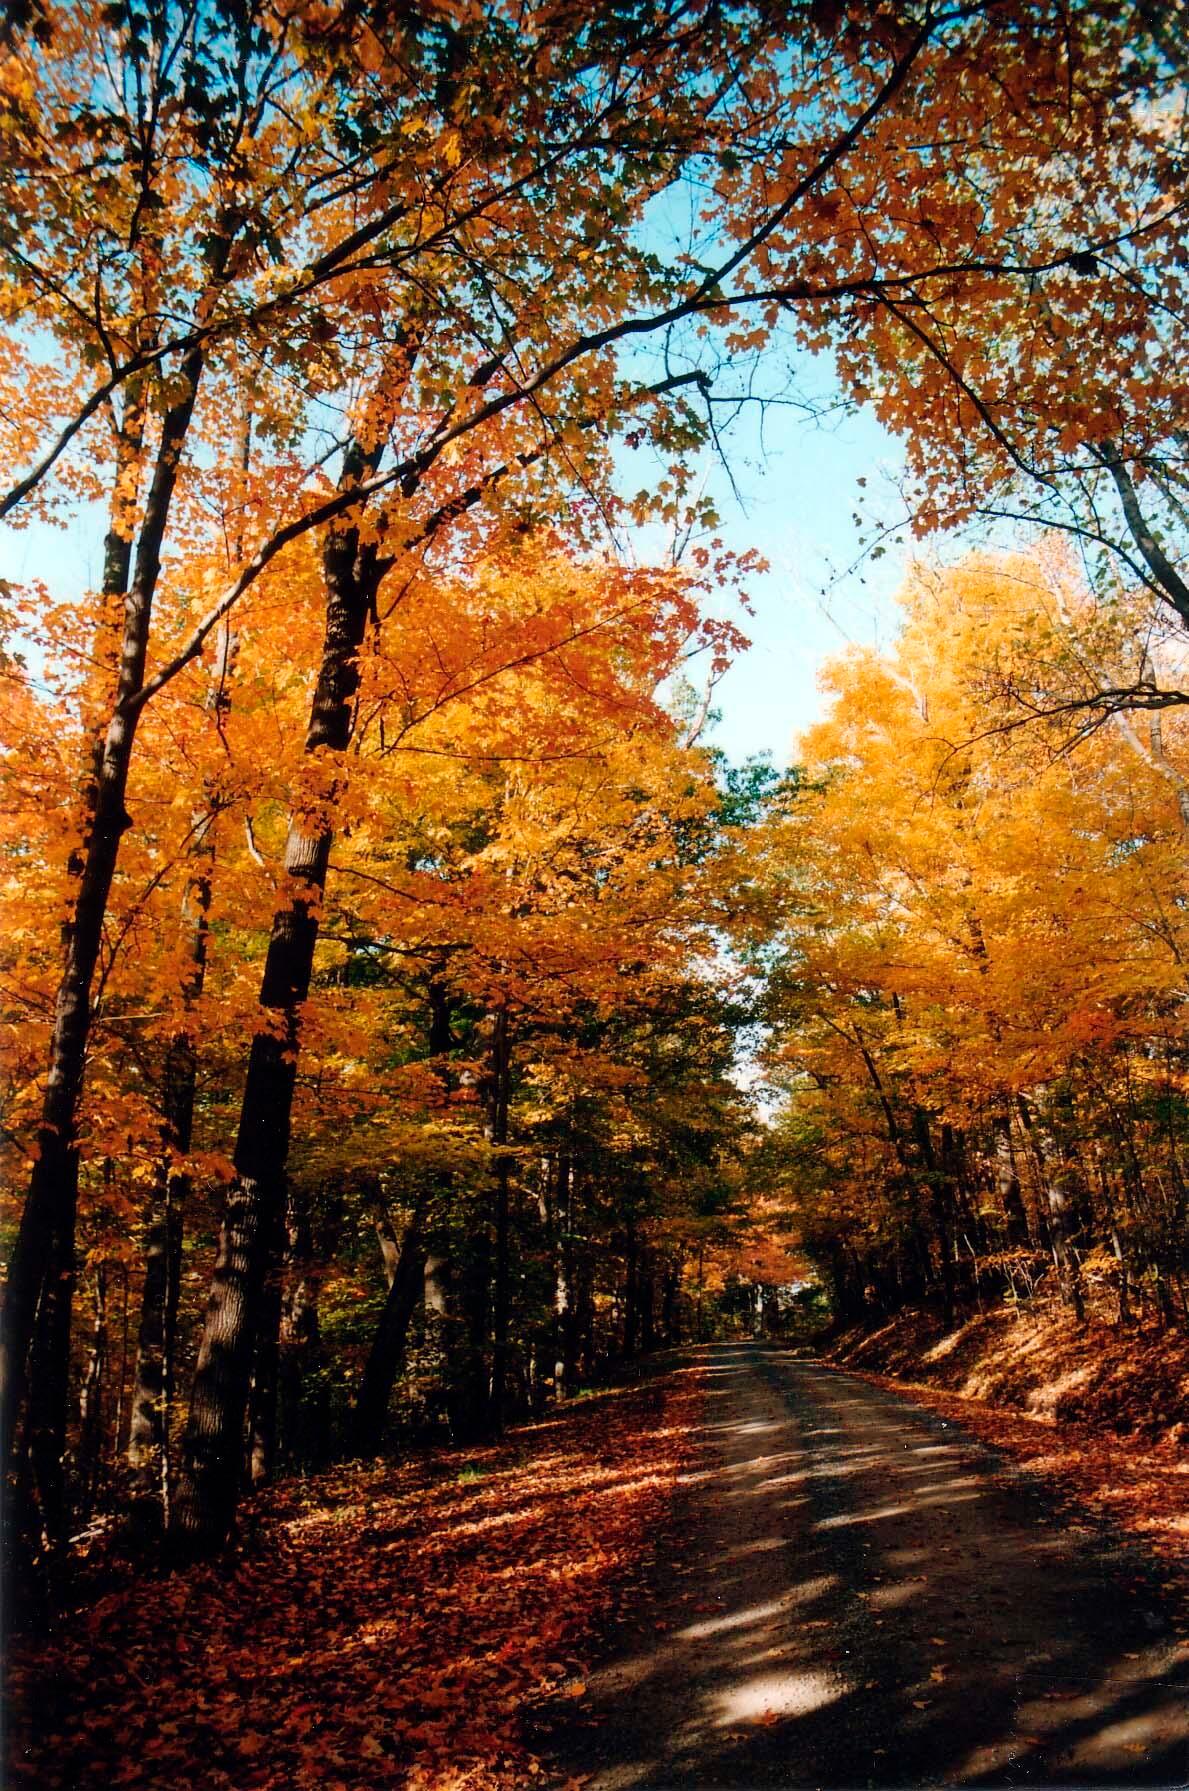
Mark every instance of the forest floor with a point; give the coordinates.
(749, 1570)
(1099, 1415)
(860, 1593)
(377, 1626)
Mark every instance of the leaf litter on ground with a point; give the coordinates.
(382, 1625)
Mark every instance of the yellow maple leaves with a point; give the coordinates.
(983, 892)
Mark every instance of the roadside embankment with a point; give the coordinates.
(1099, 1413)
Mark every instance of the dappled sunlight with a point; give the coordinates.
(1038, 1360)
(862, 1517)
(775, 1695)
(901, 1619)
(381, 1616)
(797, 1595)
(887, 1598)
(764, 1545)
(1118, 1746)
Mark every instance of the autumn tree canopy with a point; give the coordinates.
(372, 891)
(978, 1003)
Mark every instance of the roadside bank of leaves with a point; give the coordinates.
(1141, 1491)
(383, 1626)
(1036, 1358)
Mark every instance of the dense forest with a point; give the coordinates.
(978, 938)
(410, 1015)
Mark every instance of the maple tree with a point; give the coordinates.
(389, 966)
(978, 1007)
(226, 81)
(1063, 409)
(479, 867)
(333, 309)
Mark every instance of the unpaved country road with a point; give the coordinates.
(854, 1600)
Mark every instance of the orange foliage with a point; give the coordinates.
(386, 1626)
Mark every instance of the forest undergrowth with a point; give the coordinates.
(380, 1624)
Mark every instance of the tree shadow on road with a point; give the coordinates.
(853, 1595)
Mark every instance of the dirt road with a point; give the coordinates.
(855, 1599)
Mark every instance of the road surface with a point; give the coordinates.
(856, 1596)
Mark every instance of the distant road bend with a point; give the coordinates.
(856, 1601)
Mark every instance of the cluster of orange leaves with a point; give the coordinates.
(381, 1625)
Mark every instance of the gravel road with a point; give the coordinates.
(858, 1597)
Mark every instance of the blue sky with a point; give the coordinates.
(796, 505)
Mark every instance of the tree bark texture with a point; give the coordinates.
(301, 1400)
(148, 1439)
(501, 1289)
(565, 1295)
(1058, 1219)
(386, 1355)
(44, 1249)
(208, 1483)
(90, 1403)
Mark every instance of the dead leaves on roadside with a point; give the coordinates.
(1140, 1491)
(387, 1626)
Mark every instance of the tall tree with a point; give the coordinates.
(323, 199)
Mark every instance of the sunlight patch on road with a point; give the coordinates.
(845, 1519)
(1120, 1745)
(968, 1483)
(886, 1598)
(764, 1545)
(773, 1696)
(757, 1613)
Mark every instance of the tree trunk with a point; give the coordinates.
(586, 1324)
(90, 1402)
(1063, 1256)
(1007, 1182)
(646, 1282)
(208, 1485)
(389, 1247)
(565, 1292)
(940, 1200)
(501, 1291)
(442, 1327)
(44, 1249)
(436, 1295)
(264, 1394)
(468, 1393)
(670, 1303)
(387, 1353)
(122, 1383)
(152, 1396)
(631, 1295)
(49, 1375)
(303, 1416)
